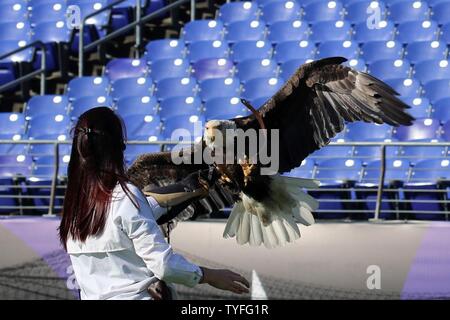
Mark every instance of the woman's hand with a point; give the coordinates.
(225, 280)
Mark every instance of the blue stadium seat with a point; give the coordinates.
(288, 68)
(330, 152)
(13, 12)
(436, 90)
(323, 10)
(82, 86)
(425, 129)
(88, 7)
(429, 70)
(7, 46)
(48, 12)
(446, 131)
(245, 30)
(46, 105)
(16, 31)
(206, 50)
(409, 10)
(125, 68)
(418, 153)
(396, 170)
(426, 175)
(360, 131)
(198, 30)
(347, 48)
(441, 110)
(136, 105)
(413, 31)
(356, 11)
(169, 68)
(330, 31)
(184, 127)
(441, 12)
(83, 104)
(390, 69)
(141, 125)
(290, 50)
(134, 150)
(380, 50)
(45, 127)
(164, 49)
(219, 87)
(244, 50)
(280, 11)
(224, 108)
(261, 87)
(139, 86)
(420, 106)
(212, 68)
(357, 64)
(177, 106)
(262, 3)
(305, 170)
(256, 68)
(425, 50)
(406, 87)
(237, 11)
(13, 127)
(384, 32)
(445, 33)
(283, 31)
(175, 87)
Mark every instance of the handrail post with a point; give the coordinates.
(192, 10)
(43, 67)
(138, 28)
(380, 184)
(51, 205)
(81, 50)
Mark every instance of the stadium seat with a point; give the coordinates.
(224, 108)
(136, 105)
(360, 131)
(237, 11)
(16, 31)
(409, 10)
(323, 10)
(441, 12)
(373, 51)
(198, 30)
(141, 125)
(425, 175)
(253, 30)
(244, 50)
(396, 170)
(46, 105)
(418, 153)
(83, 104)
(425, 129)
(283, 31)
(356, 11)
(13, 12)
(446, 131)
(177, 106)
(183, 128)
(384, 32)
(441, 110)
(139, 86)
(288, 68)
(13, 128)
(357, 64)
(330, 31)
(289, 50)
(48, 12)
(390, 69)
(406, 87)
(212, 68)
(331, 152)
(175, 87)
(164, 49)
(425, 50)
(413, 31)
(82, 86)
(169, 68)
(305, 170)
(261, 87)
(280, 11)
(429, 70)
(347, 48)
(46, 127)
(133, 151)
(219, 87)
(445, 33)
(420, 106)
(7, 46)
(125, 68)
(256, 68)
(206, 50)
(436, 90)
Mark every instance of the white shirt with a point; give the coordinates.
(130, 254)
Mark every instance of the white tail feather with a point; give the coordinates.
(273, 221)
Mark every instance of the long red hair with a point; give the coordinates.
(96, 166)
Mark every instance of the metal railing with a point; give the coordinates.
(136, 25)
(381, 188)
(41, 71)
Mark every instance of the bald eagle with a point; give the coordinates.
(309, 109)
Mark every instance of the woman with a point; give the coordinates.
(108, 226)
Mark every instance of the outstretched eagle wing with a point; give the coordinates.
(314, 104)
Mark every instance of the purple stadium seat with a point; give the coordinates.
(125, 68)
(423, 129)
(212, 68)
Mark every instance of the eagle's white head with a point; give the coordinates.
(218, 129)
